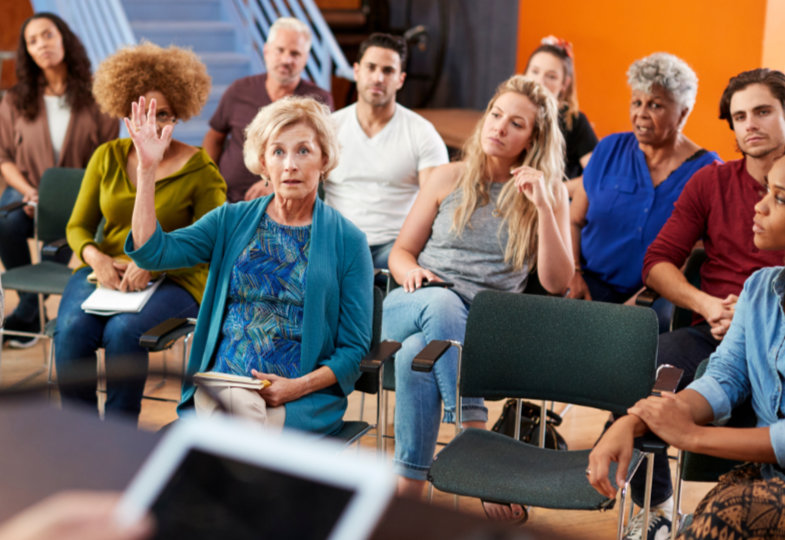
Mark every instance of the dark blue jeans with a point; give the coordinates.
(685, 348)
(78, 335)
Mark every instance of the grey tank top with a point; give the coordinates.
(474, 261)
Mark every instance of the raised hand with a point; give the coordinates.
(150, 145)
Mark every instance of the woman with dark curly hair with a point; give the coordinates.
(48, 119)
(187, 185)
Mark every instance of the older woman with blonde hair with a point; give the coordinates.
(480, 223)
(289, 294)
(186, 185)
(633, 180)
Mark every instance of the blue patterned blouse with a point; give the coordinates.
(262, 326)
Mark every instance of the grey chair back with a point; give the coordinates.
(57, 194)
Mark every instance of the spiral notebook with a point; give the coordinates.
(108, 302)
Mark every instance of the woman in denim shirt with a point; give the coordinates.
(750, 362)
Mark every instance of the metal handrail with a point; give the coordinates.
(326, 56)
(102, 26)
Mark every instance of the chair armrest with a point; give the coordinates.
(372, 362)
(647, 297)
(164, 334)
(652, 443)
(427, 357)
(8, 208)
(53, 248)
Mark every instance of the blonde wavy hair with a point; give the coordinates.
(285, 112)
(133, 71)
(545, 153)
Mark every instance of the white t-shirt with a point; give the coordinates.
(58, 114)
(376, 181)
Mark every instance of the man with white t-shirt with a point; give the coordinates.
(387, 150)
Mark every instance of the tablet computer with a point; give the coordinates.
(223, 477)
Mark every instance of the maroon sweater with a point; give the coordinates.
(716, 206)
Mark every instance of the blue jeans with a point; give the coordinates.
(380, 253)
(78, 335)
(414, 319)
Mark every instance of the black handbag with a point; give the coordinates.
(530, 425)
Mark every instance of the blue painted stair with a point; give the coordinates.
(203, 26)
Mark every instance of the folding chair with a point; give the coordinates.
(546, 348)
(56, 198)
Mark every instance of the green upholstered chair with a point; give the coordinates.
(681, 316)
(546, 348)
(57, 194)
(693, 467)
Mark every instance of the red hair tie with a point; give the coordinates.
(554, 41)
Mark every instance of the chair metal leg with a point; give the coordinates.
(621, 499)
(381, 413)
(647, 493)
(676, 517)
(543, 423)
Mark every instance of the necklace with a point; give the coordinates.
(59, 91)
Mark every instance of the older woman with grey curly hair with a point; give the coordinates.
(632, 181)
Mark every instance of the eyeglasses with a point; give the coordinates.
(164, 117)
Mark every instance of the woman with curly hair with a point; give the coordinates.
(480, 223)
(48, 119)
(632, 181)
(187, 186)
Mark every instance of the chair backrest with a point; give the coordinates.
(368, 382)
(56, 198)
(682, 317)
(589, 353)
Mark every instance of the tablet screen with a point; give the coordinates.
(212, 496)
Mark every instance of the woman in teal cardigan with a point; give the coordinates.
(267, 311)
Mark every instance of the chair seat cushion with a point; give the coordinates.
(495, 467)
(46, 277)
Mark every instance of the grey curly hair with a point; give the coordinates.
(669, 72)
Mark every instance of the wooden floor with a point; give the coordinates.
(580, 428)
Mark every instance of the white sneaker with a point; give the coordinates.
(659, 526)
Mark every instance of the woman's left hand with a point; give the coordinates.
(669, 417)
(150, 146)
(281, 389)
(134, 278)
(531, 183)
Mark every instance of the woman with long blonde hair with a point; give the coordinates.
(480, 223)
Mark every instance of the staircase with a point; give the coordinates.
(206, 27)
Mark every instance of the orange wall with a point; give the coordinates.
(717, 38)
